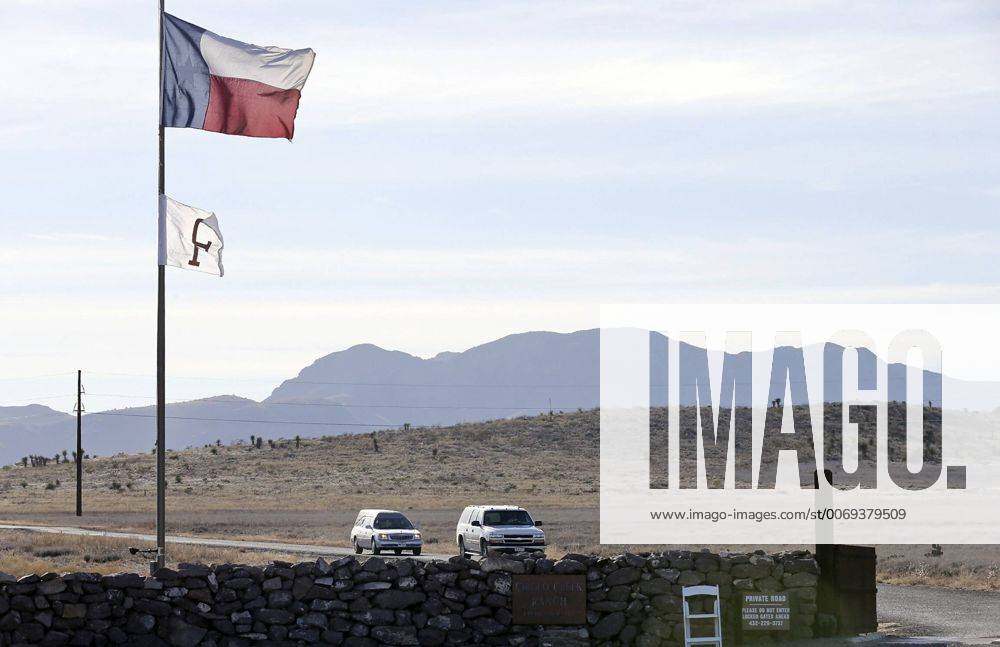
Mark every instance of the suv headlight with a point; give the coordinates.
(416, 535)
(383, 535)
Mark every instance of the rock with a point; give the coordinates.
(305, 634)
(396, 599)
(123, 581)
(500, 563)
(626, 575)
(476, 612)
(61, 638)
(73, 611)
(51, 587)
(182, 634)
(653, 587)
(669, 574)
(691, 578)
(431, 637)
(99, 611)
(793, 580)
(274, 616)
(140, 623)
(279, 599)
(395, 635)
(801, 565)
(10, 621)
(657, 627)
(768, 585)
(374, 565)
(156, 608)
(451, 622)
(374, 617)
(22, 603)
(608, 626)
(500, 583)
(569, 567)
(313, 619)
(750, 571)
(487, 626)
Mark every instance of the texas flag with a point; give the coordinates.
(220, 84)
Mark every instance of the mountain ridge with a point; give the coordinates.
(360, 389)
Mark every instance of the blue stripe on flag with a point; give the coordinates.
(185, 75)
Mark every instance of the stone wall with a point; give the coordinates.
(632, 600)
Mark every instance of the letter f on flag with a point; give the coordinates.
(189, 238)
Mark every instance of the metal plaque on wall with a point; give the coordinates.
(549, 599)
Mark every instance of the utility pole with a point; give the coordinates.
(79, 443)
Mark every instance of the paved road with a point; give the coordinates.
(303, 549)
(924, 611)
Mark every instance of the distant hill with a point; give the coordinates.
(364, 388)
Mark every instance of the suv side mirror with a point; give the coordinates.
(476, 523)
(368, 527)
(539, 524)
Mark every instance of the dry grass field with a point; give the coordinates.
(310, 491)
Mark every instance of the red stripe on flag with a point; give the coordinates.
(251, 108)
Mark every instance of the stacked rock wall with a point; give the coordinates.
(632, 600)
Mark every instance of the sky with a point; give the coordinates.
(466, 170)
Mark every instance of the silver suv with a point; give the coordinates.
(385, 530)
(502, 528)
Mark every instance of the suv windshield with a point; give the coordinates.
(507, 518)
(392, 522)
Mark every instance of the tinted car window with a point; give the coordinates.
(392, 522)
(507, 518)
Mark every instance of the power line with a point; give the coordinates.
(35, 377)
(268, 378)
(46, 397)
(253, 421)
(293, 381)
(350, 406)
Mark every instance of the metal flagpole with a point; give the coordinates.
(79, 443)
(161, 390)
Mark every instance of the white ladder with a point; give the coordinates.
(703, 590)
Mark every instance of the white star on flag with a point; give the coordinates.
(190, 238)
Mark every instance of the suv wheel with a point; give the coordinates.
(483, 549)
(375, 549)
(357, 547)
(416, 551)
(461, 547)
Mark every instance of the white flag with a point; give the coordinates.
(189, 238)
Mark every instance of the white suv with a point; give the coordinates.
(385, 530)
(503, 528)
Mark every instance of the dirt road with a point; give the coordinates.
(303, 549)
